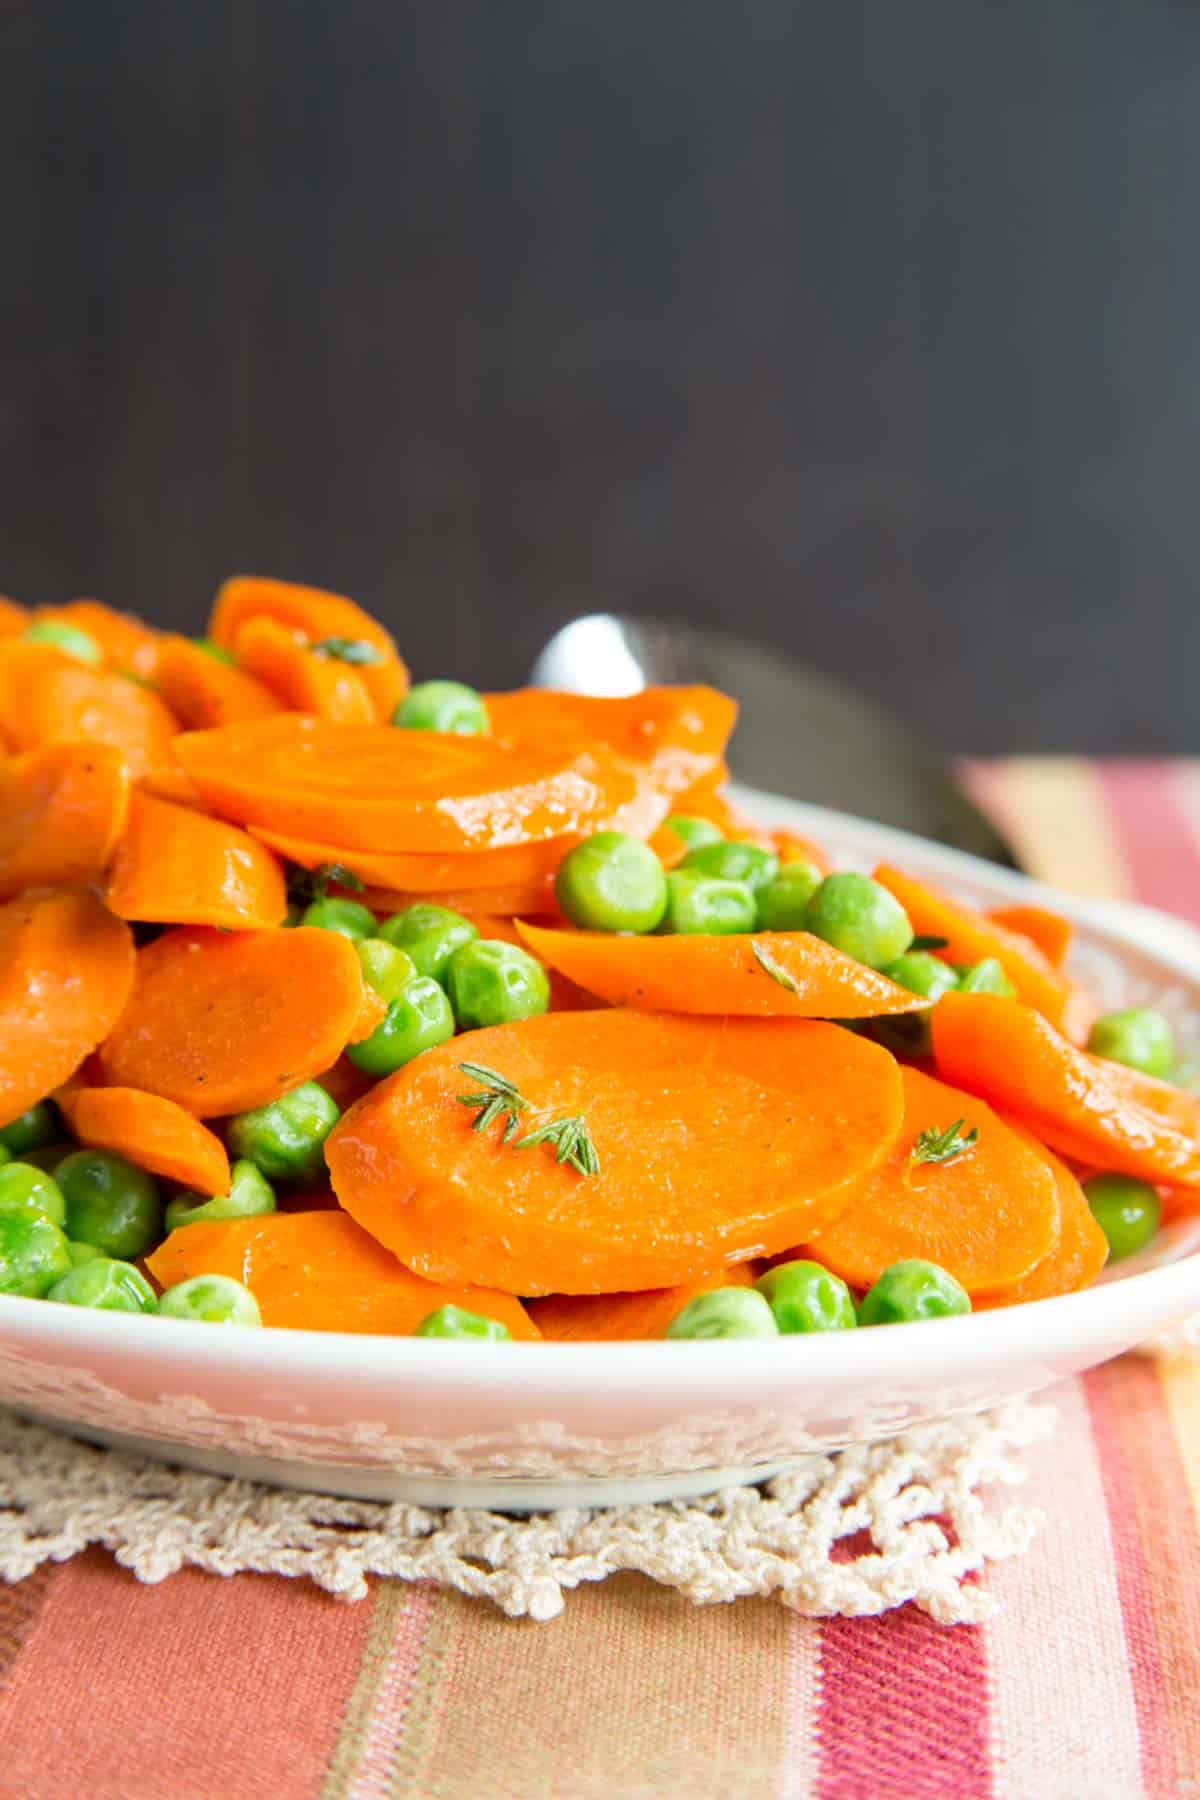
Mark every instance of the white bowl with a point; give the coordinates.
(521, 1426)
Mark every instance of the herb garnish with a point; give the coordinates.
(497, 1095)
(934, 1146)
(571, 1143)
(348, 650)
(313, 884)
(928, 943)
(775, 970)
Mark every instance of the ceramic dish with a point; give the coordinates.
(520, 1426)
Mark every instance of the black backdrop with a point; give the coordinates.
(871, 329)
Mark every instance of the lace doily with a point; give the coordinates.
(852, 1534)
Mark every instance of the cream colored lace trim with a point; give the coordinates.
(853, 1534)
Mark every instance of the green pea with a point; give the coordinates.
(923, 974)
(694, 832)
(250, 1195)
(67, 638)
(783, 903)
(429, 935)
(107, 1285)
(493, 983)
(612, 883)
(700, 904)
(912, 1290)
(448, 706)
(24, 1188)
(33, 1254)
(386, 968)
(733, 862)
(212, 1300)
(1138, 1037)
(349, 917)
(218, 652)
(728, 1312)
(285, 1139)
(803, 1296)
(110, 1203)
(986, 977)
(82, 1253)
(419, 1018)
(859, 916)
(34, 1129)
(457, 1322)
(1127, 1211)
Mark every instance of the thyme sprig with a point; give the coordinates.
(496, 1097)
(934, 1146)
(348, 650)
(572, 1143)
(774, 969)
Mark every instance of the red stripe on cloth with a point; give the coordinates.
(1156, 835)
(906, 1700)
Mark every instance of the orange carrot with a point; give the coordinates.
(524, 867)
(62, 810)
(1052, 934)
(223, 1021)
(715, 974)
(989, 1216)
(147, 1130)
(529, 901)
(1078, 1256)
(14, 618)
(317, 1271)
(178, 867)
(1092, 1111)
(572, 1318)
(128, 643)
(302, 678)
(317, 615)
(718, 1141)
(790, 847)
(66, 968)
(49, 698)
(204, 692)
(344, 1082)
(679, 733)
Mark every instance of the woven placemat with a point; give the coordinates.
(852, 1534)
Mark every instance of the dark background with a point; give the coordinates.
(870, 329)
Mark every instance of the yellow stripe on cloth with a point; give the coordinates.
(1053, 808)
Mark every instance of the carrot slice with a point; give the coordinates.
(178, 867)
(66, 968)
(718, 1141)
(204, 692)
(373, 788)
(14, 618)
(1052, 934)
(574, 1318)
(223, 1021)
(530, 901)
(1080, 1253)
(678, 733)
(317, 615)
(147, 1130)
(1096, 1112)
(301, 678)
(128, 643)
(989, 1216)
(317, 1271)
(345, 1082)
(62, 809)
(525, 867)
(48, 698)
(790, 847)
(703, 974)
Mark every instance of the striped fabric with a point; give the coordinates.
(1085, 1687)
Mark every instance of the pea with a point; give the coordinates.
(430, 935)
(250, 1195)
(803, 1296)
(67, 638)
(107, 1285)
(419, 1018)
(923, 974)
(26, 1189)
(212, 1300)
(218, 652)
(986, 977)
(493, 983)
(783, 902)
(286, 1138)
(82, 1253)
(859, 916)
(457, 1322)
(728, 1312)
(33, 1254)
(448, 706)
(1138, 1037)
(33, 1130)
(694, 832)
(386, 968)
(349, 917)
(700, 904)
(1127, 1212)
(733, 862)
(110, 1203)
(912, 1290)
(612, 883)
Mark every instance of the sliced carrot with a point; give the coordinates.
(707, 801)
(147, 1130)
(66, 969)
(128, 643)
(14, 618)
(377, 789)
(344, 1082)
(174, 866)
(62, 809)
(317, 615)
(49, 698)
(679, 733)
(524, 867)
(574, 1318)
(1077, 1258)
(1096, 1112)
(1052, 934)
(223, 1021)
(790, 847)
(714, 974)
(204, 692)
(718, 1141)
(303, 679)
(668, 846)
(317, 1271)
(989, 1216)
(530, 901)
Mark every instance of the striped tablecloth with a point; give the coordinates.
(1086, 1686)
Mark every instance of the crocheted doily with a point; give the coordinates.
(853, 1534)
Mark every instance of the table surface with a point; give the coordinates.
(1084, 1685)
